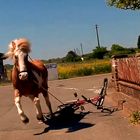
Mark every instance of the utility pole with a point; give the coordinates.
(81, 49)
(96, 26)
(82, 58)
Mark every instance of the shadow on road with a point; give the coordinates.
(71, 122)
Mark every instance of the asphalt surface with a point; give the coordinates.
(91, 125)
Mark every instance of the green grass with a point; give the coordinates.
(69, 70)
(5, 83)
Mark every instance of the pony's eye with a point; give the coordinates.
(16, 57)
(26, 57)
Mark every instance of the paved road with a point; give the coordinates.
(92, 126)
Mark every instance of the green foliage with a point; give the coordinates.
(117, 49)
(8, 66)
(77, 72)
(137, 50)
(125, 4)
(88, 56)
(86, 71)
(99, 52)
(64, 75)
(102, 69)
(71, 57)
(135, 117)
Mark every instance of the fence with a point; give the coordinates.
(126, 74)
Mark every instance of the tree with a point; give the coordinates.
(117, 49)
(72, 57)
(99, 52)
(138, 43)
(125, 4)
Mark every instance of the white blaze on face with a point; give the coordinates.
(39, 78)
(21, 60)
(22, 66)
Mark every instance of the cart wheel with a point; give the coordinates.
(82, 108)
(100, 102)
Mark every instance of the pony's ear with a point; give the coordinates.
(13, 44)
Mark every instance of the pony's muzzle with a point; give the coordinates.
(23, 75)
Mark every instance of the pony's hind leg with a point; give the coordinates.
(47, 100)
(37, 106)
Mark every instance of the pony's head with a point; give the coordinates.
(18, 51)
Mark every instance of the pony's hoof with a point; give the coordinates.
(39, 118)
(42, 119)
(25, 121)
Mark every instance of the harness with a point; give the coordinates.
(37, 82)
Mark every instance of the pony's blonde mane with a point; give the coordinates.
(16, 44)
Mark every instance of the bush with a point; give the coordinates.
(69, 70)
(75, 73)
(64, 75)
(117, 49)
(135, 117)
(72, 57)
(99, 52)
(84, 71)
(102, 69)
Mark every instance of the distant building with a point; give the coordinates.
(52, 71)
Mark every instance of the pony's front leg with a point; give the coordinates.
(23, 117)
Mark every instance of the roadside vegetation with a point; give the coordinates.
(68, 70)
(135, 117)
(125, 4)
(96, 62)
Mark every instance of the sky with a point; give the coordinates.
(55, 27)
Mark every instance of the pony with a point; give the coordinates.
(29, 78)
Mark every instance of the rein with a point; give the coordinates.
(30, 57)
(45, 88)
(49, 93)
(41, 85)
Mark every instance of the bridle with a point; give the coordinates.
(16, 65)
